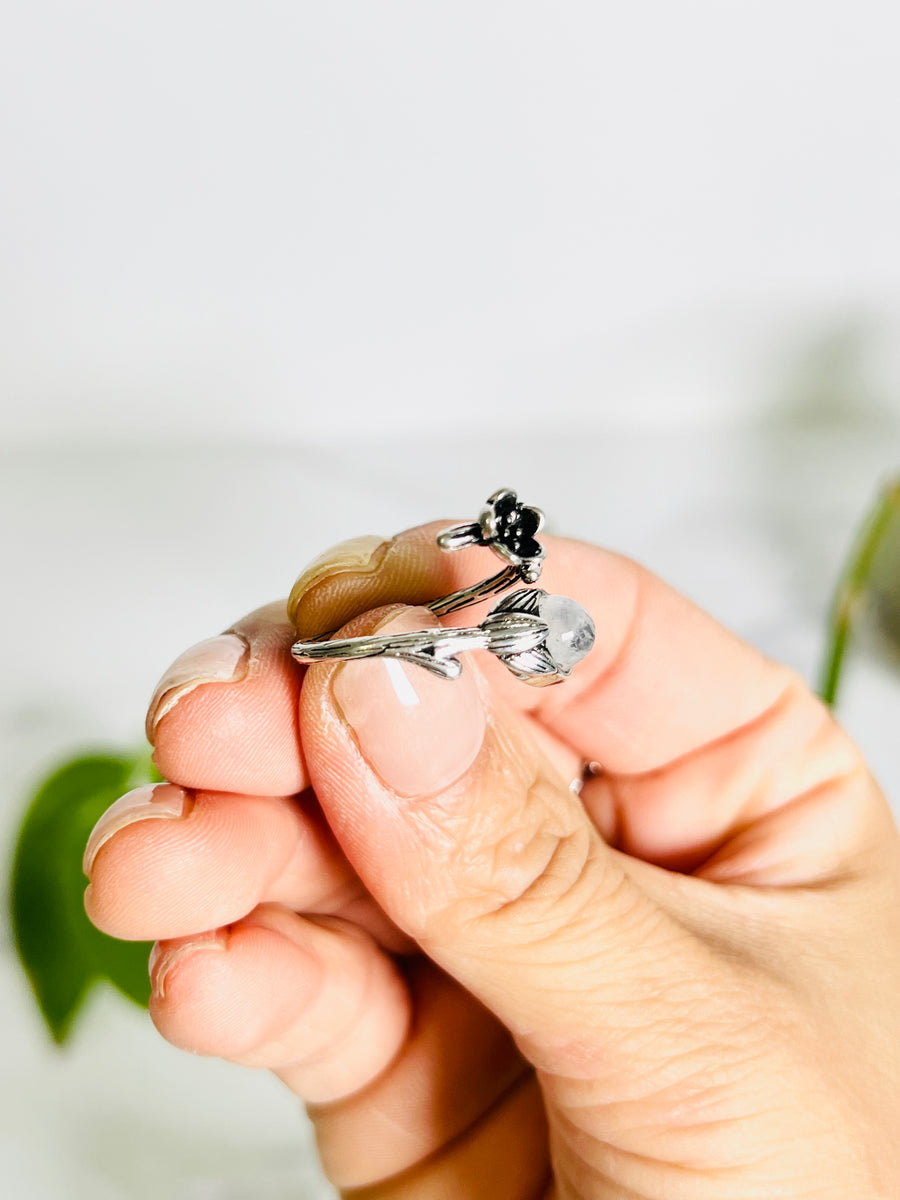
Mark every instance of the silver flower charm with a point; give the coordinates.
(509, 529)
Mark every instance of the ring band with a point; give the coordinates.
(538, 637)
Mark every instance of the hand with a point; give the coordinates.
(681, 983)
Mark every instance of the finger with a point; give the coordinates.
(164, 862)
(503, 1156)
(224, 715)
(315, 1001)
(784, 801)
(457, 1064)
(321, 1007)
(479, 850)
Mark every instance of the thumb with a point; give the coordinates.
(473, 843)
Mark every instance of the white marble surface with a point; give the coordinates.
(117, 559)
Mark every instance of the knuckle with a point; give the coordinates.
(525, 875)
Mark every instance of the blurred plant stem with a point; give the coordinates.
(854, 587)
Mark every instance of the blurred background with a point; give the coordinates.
(272, 275)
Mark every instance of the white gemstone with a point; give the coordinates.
(571, 630)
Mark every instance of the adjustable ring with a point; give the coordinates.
(509, 529)
(538, 637)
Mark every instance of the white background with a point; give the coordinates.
(287, 219)
(275, 274)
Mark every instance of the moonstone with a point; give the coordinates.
(571, 630)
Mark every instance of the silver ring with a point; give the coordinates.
(509, 529)
(538, 637)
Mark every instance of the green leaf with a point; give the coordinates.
(886, 575)
(62, 952)
(870, 579)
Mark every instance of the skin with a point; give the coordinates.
(680, 985)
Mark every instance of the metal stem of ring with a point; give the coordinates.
(478, 591)
(434, 649)
(422, 647)
(504, 579)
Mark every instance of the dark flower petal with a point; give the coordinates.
(510, 527)
(529, 521)
(505, 506)
(527, 548)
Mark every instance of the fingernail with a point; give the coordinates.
(154, 800)
(162, 961)
(359, 554)
(418, 732)
(222, 659)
